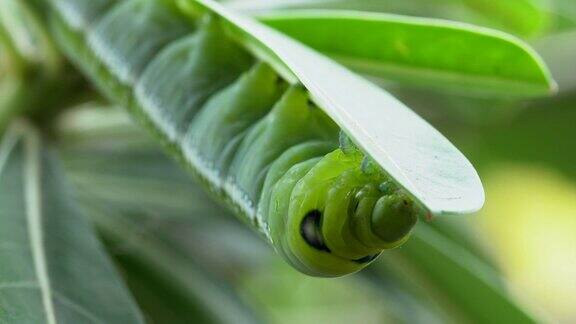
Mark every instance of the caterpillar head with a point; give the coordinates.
(341, 216)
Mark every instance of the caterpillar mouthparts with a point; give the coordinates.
(311, 231)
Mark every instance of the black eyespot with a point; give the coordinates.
(311, 232)
(366, 259)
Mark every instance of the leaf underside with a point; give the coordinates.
(53, 268)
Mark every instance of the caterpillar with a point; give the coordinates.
(253, 138)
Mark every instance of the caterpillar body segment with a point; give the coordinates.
(185, 74)
(291, 122)
(131, 33)
(219, 128)
(277, 218)
(294, 155)
(256, 141)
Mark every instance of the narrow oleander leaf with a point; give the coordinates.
(427, 52)
(523, 17)
(410, 150)
(53, 270)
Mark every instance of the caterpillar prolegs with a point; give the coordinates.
(257, 141)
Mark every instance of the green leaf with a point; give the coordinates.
(176, 260)
(110, 158)
(12, 93)
(524, 17)
(53, 270)
(160, 269)
(456, 277)
(565, 10)
(426, 52)
(558, 51)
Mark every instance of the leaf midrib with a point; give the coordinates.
(24, 139)
(33, 212)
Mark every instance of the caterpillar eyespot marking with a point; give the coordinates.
(257, 142)
(311, 232)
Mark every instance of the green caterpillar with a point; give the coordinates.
(255, 140)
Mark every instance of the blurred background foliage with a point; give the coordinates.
(525, 152)
(187, 259)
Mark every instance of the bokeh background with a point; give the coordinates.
(524, 239)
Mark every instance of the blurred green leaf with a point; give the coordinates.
(53, 267)
(542, 135)
(110, 158)
(100, 148)
(287, 297)
(171, 286)
(178, 249)
(28, 39)
(456, 277)
(565, 10)
(434, 53)
(34, 79)
(559, 50)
